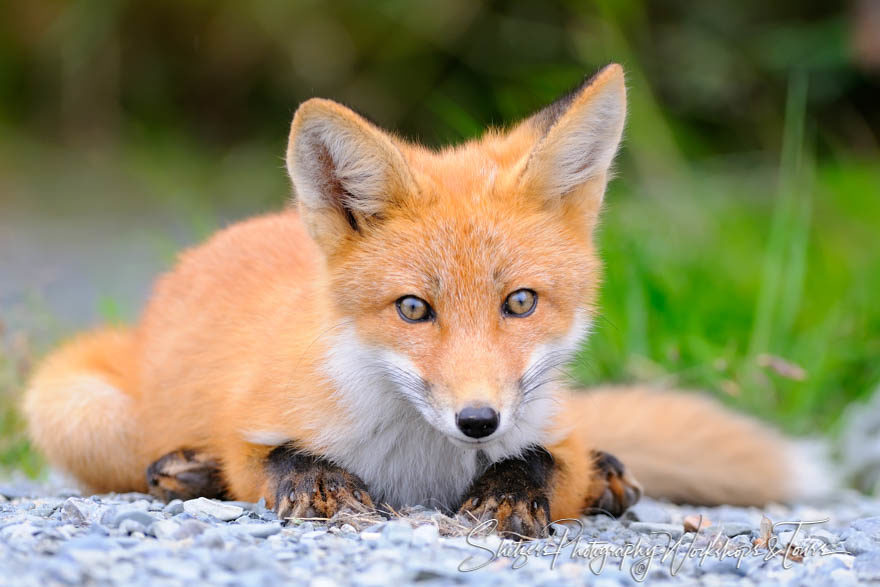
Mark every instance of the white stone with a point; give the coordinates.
(221, 511)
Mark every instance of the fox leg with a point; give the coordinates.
(307, 486)
(186, 474)
(589, 481)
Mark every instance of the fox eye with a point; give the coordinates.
(520, 303)
(413, 309)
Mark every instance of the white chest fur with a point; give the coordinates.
(405, 461)
(385, 440)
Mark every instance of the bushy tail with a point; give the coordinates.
(687, 448)
(81, 412)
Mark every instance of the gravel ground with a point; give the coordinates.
(51, 536)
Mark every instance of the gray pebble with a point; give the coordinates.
(139, 516)
(129, 526)
(732, 529)
(647, 510)
(174, 507)
(842, 578)
(425, 535)
(259, 530)
(164, 529)
(43, 541)
(72, 514)
(397, 532)
(858, 543)
(868, 526)
(674, 530)
(825, 536)
(189, 529)
(867, 566)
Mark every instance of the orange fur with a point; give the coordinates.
(231, 354)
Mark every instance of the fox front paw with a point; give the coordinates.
(618, 490)
(514, 493)
(310, 487)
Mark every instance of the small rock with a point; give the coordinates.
(189, 529)
(858, 543)
(212, 538)
(867, 566)
(164, 529)
(825, 536)
(109, 515)
(174, 507)
(72, 514)
(209, 507)
(649, 511)
(370, 536)
(786, 537)
(842, 578)
(15, 491)
(397, 532)
(731, 529)
(139, 516)
(259, 530)
(868, 526)
(129, 526)
(425, 535)
(673, 530)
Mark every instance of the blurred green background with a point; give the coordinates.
(740, 237)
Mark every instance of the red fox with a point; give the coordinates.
(397, 338)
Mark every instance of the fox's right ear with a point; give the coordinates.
(345, 171)
(577, 137)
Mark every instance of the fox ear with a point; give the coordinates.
(578, 137)
(345, 171)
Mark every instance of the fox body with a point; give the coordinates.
(407, 322)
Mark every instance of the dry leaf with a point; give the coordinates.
(694, 522)
(766, 532)
(791, 554)
(782, 367)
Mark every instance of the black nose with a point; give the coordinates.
(477, 422)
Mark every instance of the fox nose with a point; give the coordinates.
(477, 422)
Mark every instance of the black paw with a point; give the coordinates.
(185, 474)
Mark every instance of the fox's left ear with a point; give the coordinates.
(578, 136)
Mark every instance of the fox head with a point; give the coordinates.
(468, 275)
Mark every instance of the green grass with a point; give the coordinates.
(15, 450)
(753, 283)
(704, 280)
